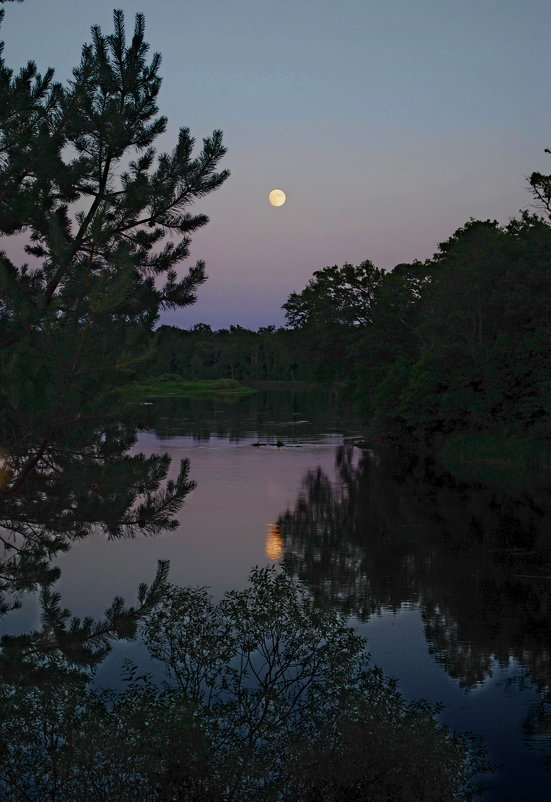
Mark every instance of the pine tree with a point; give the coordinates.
(107, 221)
(106, 224)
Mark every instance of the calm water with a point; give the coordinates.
(449, 583)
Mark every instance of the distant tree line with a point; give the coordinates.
(235, 353)
(459, 341)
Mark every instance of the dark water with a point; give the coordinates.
(449, 581)
(451, 584)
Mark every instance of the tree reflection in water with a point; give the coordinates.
(271, 697)
(475, 559)
(60, 490)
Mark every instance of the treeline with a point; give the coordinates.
(461, 341)
(268, 354)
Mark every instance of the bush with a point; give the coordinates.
(291, 706)
(271, 699)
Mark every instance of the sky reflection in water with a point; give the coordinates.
(447, 582)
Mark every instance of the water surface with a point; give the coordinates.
(450, 582)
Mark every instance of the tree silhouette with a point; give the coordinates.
(105, 223)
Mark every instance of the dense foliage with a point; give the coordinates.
(271, 698)
(470, 347)
(106, 225)
(459, 342)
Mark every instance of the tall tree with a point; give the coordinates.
(335, 295)
(106, 226)
(541, 189)
(107, 220)
(331, 312)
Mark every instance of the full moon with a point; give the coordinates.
(277, 197)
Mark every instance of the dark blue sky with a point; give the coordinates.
(388, 124)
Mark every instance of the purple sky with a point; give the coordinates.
(388, 124)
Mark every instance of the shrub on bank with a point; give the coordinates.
(269, 698)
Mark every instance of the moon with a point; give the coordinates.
(277, 197)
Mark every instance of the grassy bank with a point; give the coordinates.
(497, 459)
(179, 388)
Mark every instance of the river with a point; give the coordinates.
(448, 581)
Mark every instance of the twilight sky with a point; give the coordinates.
(388, 123)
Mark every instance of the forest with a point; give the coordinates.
(460, 342)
